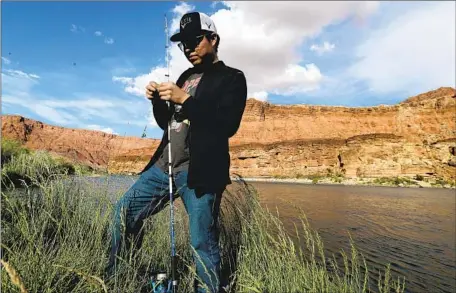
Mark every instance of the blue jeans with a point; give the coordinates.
(148, 196)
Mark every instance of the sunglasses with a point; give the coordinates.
(192, 43)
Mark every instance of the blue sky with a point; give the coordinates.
(85, 64)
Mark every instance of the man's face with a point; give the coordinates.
(197, 48)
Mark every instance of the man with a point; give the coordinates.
(207, 104)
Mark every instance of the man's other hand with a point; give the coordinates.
(151, 88)
(169, 91)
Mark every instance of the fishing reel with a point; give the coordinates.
(160, 283)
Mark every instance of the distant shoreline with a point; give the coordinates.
(344, 182)
(372, 182)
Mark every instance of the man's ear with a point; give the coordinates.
(214, 40)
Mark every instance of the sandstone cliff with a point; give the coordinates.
(430, 116)
(414, 137)
(94, 148)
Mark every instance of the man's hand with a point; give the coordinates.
(169, 91)
(151, 88)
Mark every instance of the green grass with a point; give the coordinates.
(395, 181)
(405, 181)
(21, 166)
(315, 178)
(55, 236)
(440, 182)
(11, 148)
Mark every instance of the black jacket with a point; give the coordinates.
(215, 114)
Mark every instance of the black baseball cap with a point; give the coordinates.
(193, 24)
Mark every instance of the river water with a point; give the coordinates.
(413, 229)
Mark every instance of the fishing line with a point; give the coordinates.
(173, 244)
(159, 281)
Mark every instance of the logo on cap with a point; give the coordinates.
(185, 21)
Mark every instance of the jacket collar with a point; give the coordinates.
(213, 66)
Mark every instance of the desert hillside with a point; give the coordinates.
(414, 137)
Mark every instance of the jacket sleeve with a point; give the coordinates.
(161, 112)
(226, 113)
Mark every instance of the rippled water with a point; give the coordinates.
(413, 229)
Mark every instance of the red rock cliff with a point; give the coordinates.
(94, 148)
(429, 116)
(416, 136)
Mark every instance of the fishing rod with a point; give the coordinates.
(160, 284)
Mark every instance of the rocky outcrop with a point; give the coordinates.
(414, 137)
(93, 148)
(378, 155)
(430, 116)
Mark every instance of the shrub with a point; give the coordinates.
(419, 177)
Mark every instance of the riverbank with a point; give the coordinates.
(379, 182)
(322, 180)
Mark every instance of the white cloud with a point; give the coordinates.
(100, 128)
(125, 80)
(17, 81)
(21, 74)
(178, 11)
(60, 117)
(24, 100)
(264, 39)
(76, 28)
(18, 90)
(137, 85)
(109, 41)
(83, 108)
(6, 60)
(87, 103)
(325, 47)
(261, 96)
(151, 119)
(96, 106)
(413, 53)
